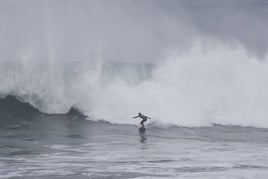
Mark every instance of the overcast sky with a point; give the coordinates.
(127, 30)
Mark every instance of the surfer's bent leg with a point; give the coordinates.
(144, 120)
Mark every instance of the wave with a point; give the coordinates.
(57, 61)
(13, 111)
(209, 84)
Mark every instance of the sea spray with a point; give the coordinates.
(207, 85)
(107, 60)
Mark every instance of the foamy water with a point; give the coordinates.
(74, 73)
(207, 85)
(68, 146)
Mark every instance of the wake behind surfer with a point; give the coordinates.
(143, 117)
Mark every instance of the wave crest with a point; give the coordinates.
(220, 85)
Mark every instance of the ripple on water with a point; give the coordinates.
(243, 166)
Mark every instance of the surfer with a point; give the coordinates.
(143, 117)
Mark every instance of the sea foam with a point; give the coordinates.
(208, 84)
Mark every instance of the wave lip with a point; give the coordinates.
(11, 105)
(12, 110)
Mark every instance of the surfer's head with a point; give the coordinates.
(139, 113)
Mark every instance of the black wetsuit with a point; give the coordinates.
(144, 118)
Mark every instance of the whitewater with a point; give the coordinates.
(209, 84)
(73, 74)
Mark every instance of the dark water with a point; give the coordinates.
(35, 145)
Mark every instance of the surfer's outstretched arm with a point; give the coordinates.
(135, 116)
(147, 117)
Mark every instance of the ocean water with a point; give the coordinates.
(36, 145)
(74, 73)
(74, 119)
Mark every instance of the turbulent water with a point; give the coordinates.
(34, 145)
(204, 86)
(74, 120)
(112, 60)
(74, 73)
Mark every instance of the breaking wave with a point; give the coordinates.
(209, 84)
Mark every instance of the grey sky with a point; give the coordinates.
(126, 30)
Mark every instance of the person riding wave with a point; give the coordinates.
(143, 117)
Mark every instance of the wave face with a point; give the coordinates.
(218, 84)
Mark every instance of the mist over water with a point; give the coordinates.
(178, 68)
(217, 85)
